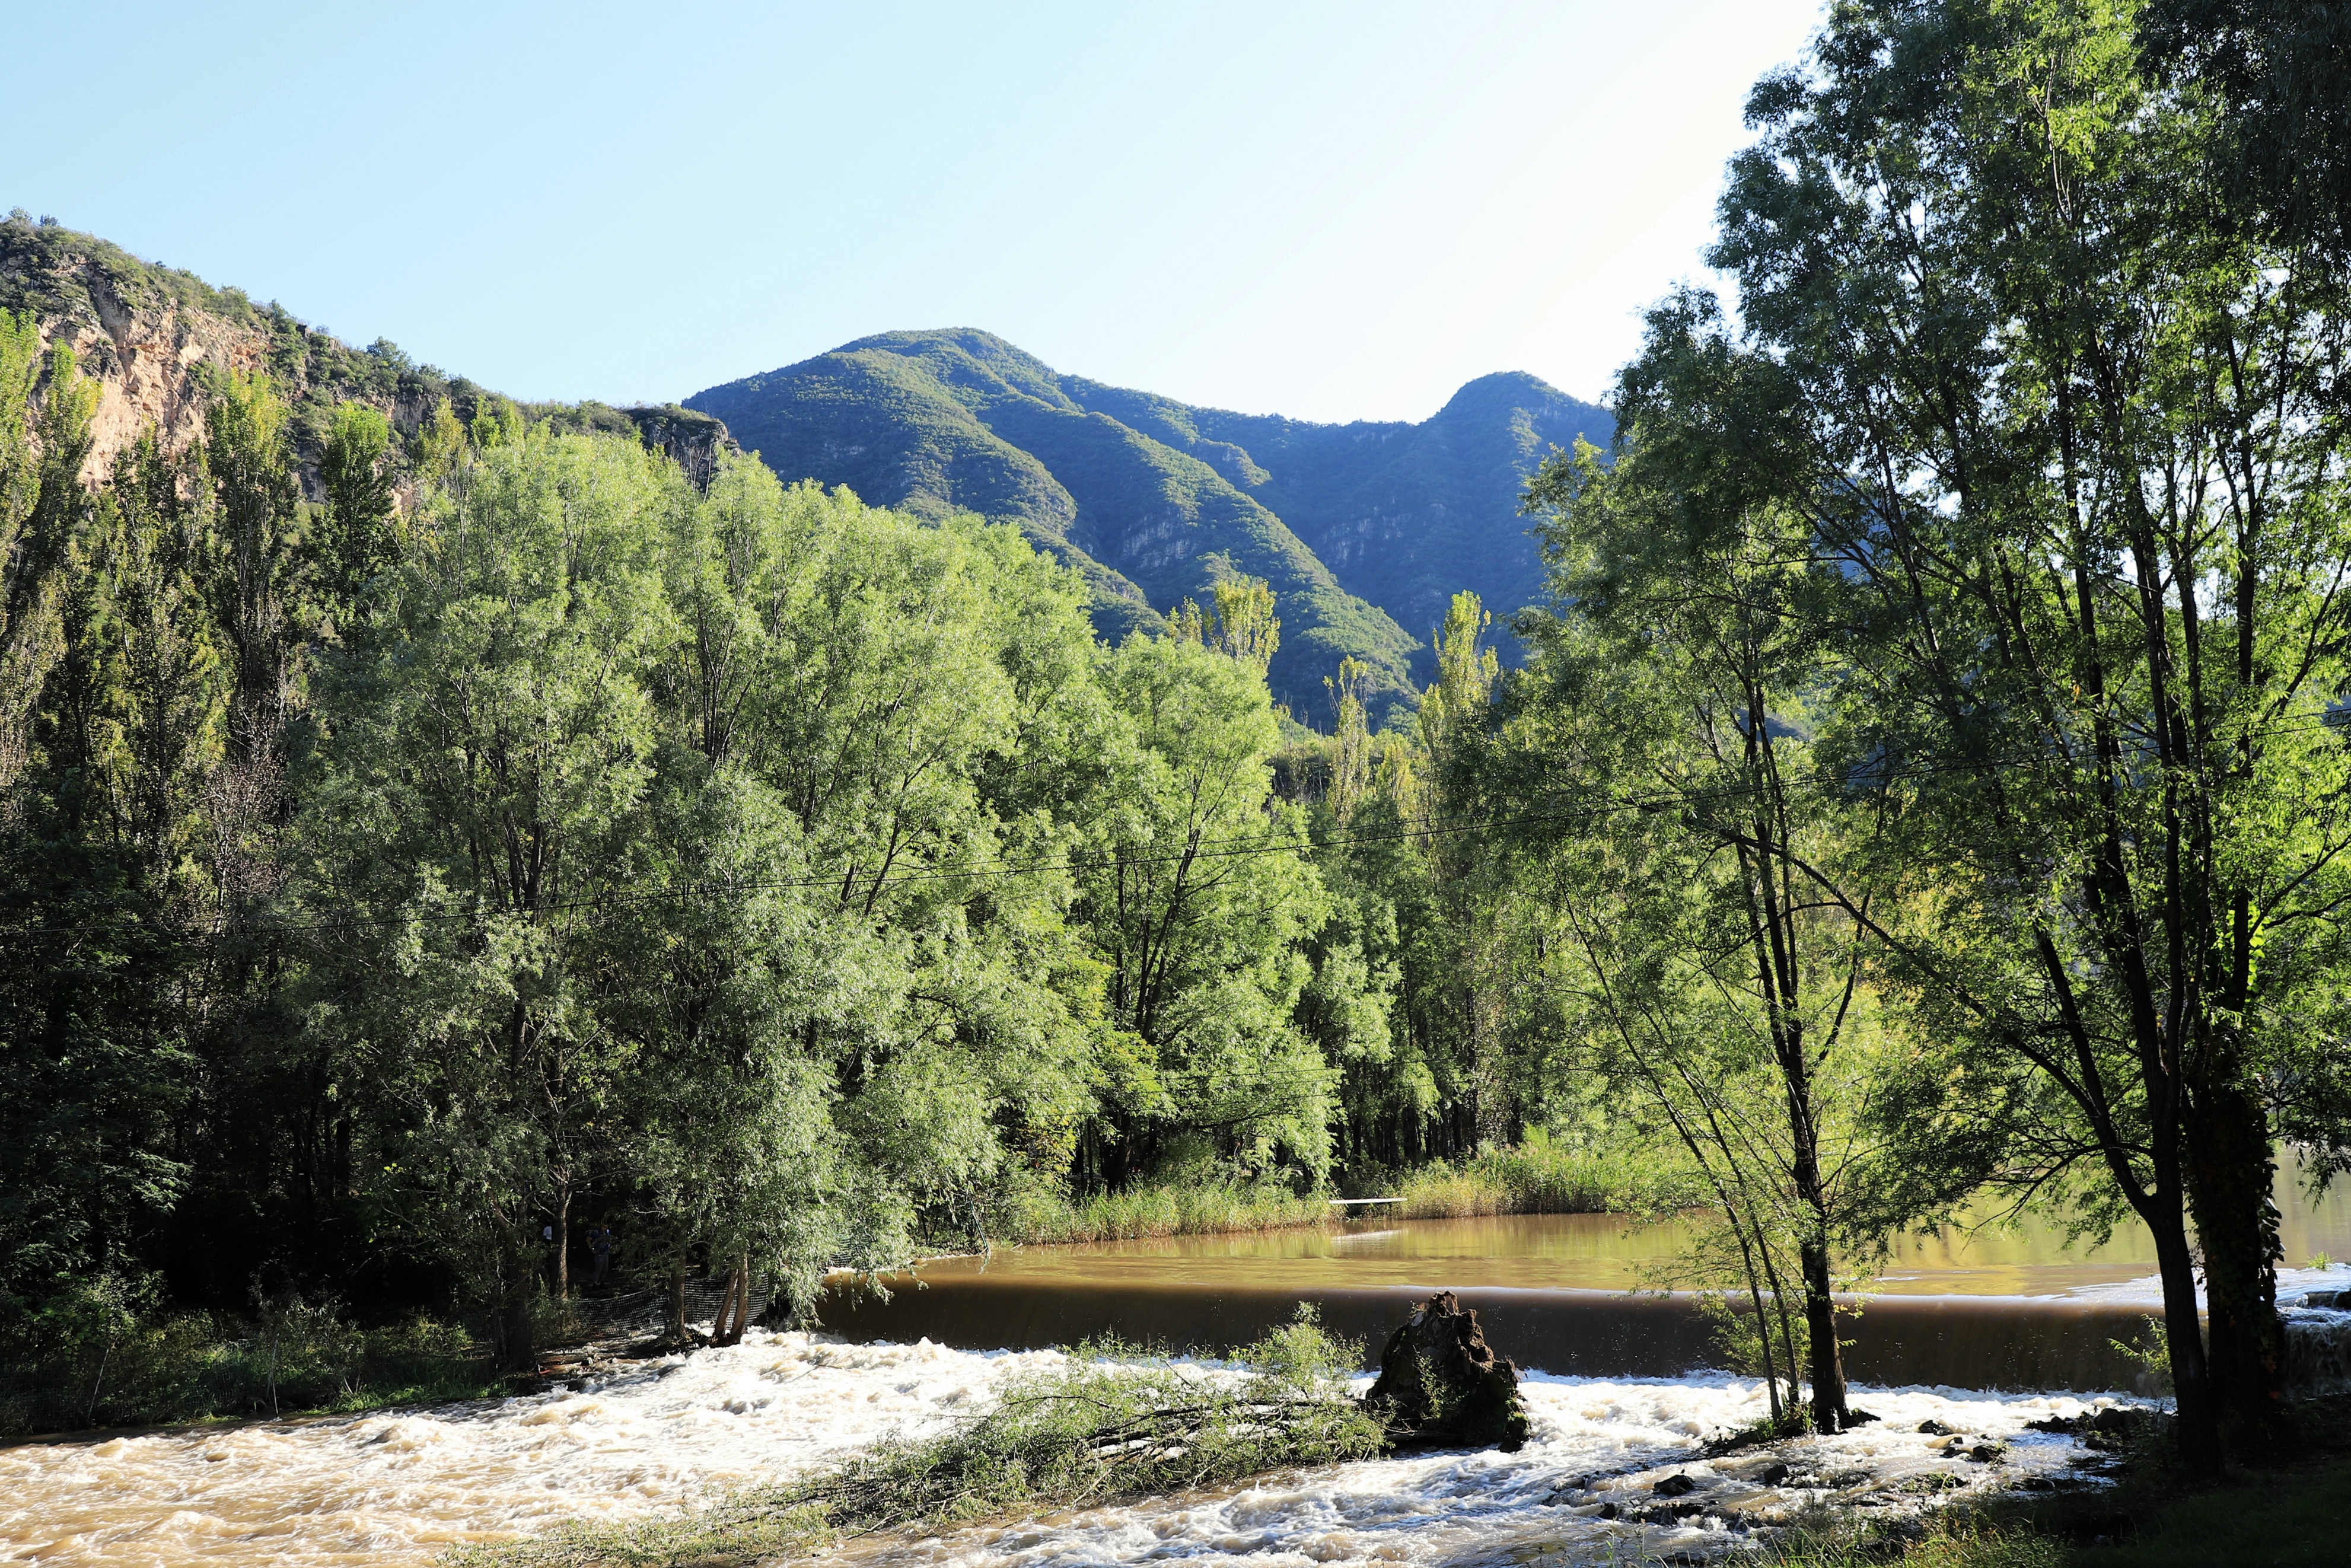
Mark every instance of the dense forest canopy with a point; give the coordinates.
(525, 834)
(430, 820)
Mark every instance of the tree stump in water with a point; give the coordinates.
(1442, 1387)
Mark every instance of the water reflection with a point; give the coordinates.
(2032, 1257)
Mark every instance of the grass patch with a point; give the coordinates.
(1184, 1208)
(1950, 1543)
(1110, 1426)
(2295, 1516)
(1534, 1177)
(2299, 1517)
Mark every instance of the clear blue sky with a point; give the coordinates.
(1334, 211)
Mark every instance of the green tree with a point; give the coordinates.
(1677, 674)
(1351, 749)
(357, 542)
(2064, 440)
(1241, 624)
(896, 711)
(43, 450)
(104, 881)
(485, 777)
(1472, 941)
(248, 454)
(1201, 923)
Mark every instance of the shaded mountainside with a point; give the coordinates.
(1365, 530)
(154, 337)
(1405, 515)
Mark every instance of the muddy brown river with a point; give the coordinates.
(2013, 1308)
(1981, 1335)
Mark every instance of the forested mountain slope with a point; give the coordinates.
(1365, 530)
(1405, 515)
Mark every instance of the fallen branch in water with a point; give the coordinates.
(1111, 1425)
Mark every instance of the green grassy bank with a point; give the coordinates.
(1535, 1177)
(1174, 1209)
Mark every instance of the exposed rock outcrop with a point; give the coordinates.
(141, 332)
(1441, 1385)
(155, 340)
(695, 442)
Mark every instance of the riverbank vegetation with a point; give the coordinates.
(1145, 1210)
(446, 843)
(1111, 1425)
(92, 1356)
(1540, 1177)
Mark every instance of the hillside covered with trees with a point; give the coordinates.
(1363, 531)
(432, 819)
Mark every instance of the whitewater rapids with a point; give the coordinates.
(402, 1487)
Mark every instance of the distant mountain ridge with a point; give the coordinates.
(1365, 530)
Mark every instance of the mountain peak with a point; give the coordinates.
(1365, 530)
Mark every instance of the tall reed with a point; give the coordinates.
(1177, 1209)
(1533, 1177)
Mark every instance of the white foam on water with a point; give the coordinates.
(1621, 1435)
(400, 1487)
(397, 1487)
(2293, 1286)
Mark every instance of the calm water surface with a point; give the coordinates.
(1608, 1252)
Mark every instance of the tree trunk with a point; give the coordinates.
(726, 1322)
(1828, 1413)
(677, 1299)
(734, 1304)
(563, 1241)
(1827, 1356)
(2230, 1173)
(2191, 1387)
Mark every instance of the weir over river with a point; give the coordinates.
(2012, 1308)
(1979, 1334)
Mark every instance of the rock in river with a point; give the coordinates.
(1441, 1385)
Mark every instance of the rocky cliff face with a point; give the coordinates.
(695, 442)
(142, 332)
(155, 339)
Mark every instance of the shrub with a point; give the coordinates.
(98, 1354)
